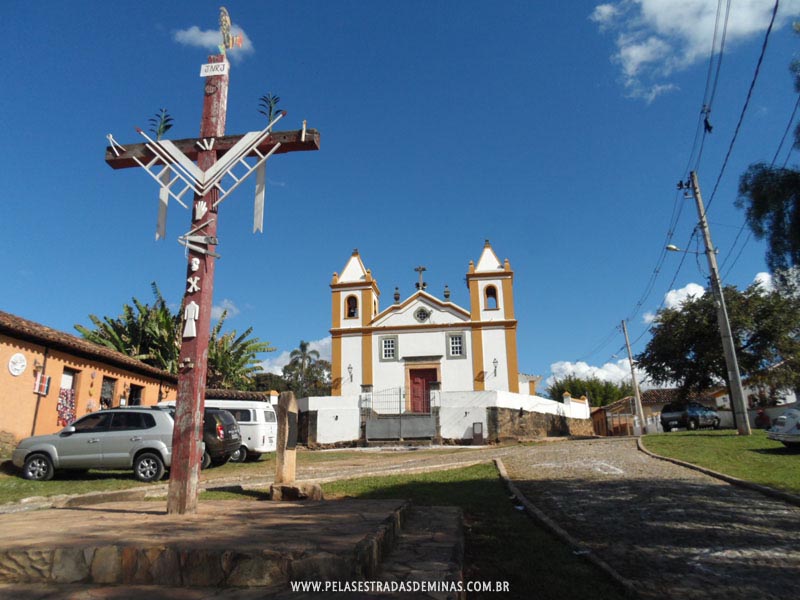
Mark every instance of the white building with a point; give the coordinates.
(425, 343)
(426, 368)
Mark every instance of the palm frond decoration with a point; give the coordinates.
(268, 105)
(160, 123)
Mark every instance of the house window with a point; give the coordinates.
(107, 392)
(389, 348)
(491, 298)
(135, 395)
(351, 307)
(455, 345)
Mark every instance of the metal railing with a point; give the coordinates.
(397, 401)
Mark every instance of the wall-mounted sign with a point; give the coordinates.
(17, 364)
(210, 69)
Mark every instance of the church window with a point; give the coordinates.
(389, 347)
(351, 307)
(455, 345)
(491, 298)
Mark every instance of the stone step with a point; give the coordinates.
(225, 545)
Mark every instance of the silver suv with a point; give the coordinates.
(117, 438)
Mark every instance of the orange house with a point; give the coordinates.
(49, 378)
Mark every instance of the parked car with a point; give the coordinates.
(257, 423)
(137, 438)
(221, 435)
(691, 415)
(786, 429)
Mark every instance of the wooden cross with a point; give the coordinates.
(200, 242)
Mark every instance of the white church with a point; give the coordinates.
(436, 364)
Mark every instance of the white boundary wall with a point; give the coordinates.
(338, 418)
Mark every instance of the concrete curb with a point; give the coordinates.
(756, 487)
(562, 534)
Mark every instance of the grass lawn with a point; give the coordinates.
(753, 457)
(502, 543)
(14, 488)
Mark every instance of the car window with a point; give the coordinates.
(269, 416)
(122, 421)
(95, 422)
(240, 414)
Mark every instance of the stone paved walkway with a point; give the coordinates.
(672, 531)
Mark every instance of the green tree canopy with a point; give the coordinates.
(598, 391)
(149, 333)
(307, 375)
(233, 358)
(685, 349)
(152, 334)
(770, 197)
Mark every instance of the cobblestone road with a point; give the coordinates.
(672, 531)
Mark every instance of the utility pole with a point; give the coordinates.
(636, 395)
(734, 378)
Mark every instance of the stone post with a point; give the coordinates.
(285, 486)
(286, 459)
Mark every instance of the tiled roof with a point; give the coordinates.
(236, 395)
(22, 329)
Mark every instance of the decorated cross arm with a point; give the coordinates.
(171, 163)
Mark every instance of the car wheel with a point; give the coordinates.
(206, 461)
(715, 424)
(38, 467)
(691, 425)
(220, 460)
(240, 455)
(148, 467)
(666, 428)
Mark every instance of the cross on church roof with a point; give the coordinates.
(421, 285)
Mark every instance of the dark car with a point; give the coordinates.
(690, 415)
(221, 436)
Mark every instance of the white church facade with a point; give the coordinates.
(425, 343)
(427, 368)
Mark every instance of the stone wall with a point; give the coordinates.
(7, 444)
(512, 424)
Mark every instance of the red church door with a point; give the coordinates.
(421, 380)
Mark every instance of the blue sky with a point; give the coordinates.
(555, 130)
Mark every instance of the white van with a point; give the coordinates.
(257, 422)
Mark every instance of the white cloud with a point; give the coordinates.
(216, 311)
(674, 298)
(765, 281)
(649, 317)
(210, 39)
(656, 37)
(614, 372)
(276, 364)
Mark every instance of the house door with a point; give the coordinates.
(421, 380)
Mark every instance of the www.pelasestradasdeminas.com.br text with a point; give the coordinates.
(383, 587)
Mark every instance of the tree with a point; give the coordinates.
(770, 197)
(232, 358)
(144, 332)
(306, 374)
(152, 334)
(265, 382)
(598, 391)
(685, 348)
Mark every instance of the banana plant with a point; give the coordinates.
(160, 123)
(267, 106)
